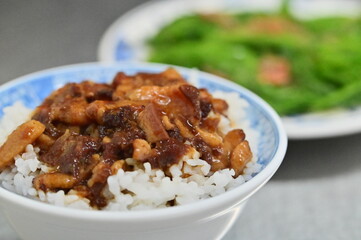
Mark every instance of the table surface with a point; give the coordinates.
(316, 192)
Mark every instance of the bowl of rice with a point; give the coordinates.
(131, 151)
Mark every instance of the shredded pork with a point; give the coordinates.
(86, 131)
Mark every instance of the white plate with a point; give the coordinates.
(125, 40)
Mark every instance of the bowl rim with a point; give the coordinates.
(235, 194)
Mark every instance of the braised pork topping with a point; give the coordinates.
(86, 131)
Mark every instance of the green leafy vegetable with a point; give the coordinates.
(297, 66)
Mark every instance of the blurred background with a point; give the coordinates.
(315, 194)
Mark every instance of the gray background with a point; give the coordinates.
(315, 194)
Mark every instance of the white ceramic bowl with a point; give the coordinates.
(206, 219)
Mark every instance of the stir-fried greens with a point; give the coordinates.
(296, 65)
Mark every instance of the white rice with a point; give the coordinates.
(143, 188)
(13, 117)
